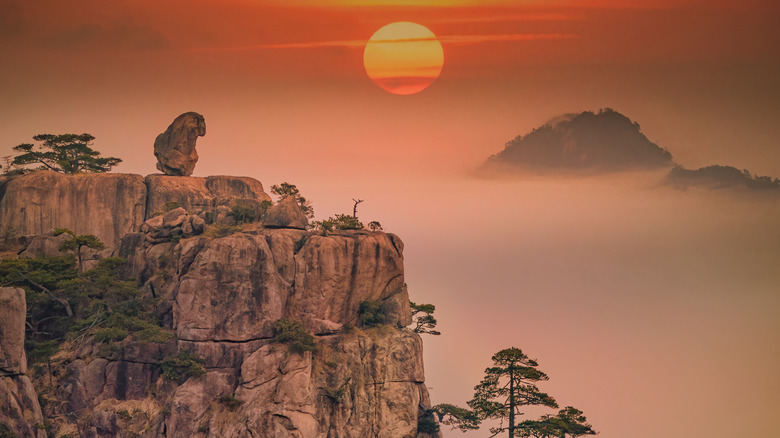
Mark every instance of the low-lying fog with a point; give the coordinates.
(653, 310)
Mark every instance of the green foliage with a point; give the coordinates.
(217, 231)
(153, 334)
(568, 422)
(6, 432)
(325, 226)
(40, 351)
(230, 402)
(374, 226)
(426, 423)
(422, 318)
(264, 206)
(346, 222)
(170, 206)
(181, 366)
(242, 213)
(509, 385)
(370, 314)
(75, 243)
(110, 334)
(457, 417)
(339, 222)
(286, 190)
(66, 153)
(294, 334)
(64, 304)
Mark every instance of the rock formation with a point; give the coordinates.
(220, 295)
(111, 205)
(172, 226)
(19, 408)
(175, 148)
(108, 205)
(199, 195)
(286, 214)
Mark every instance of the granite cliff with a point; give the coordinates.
(219, 293)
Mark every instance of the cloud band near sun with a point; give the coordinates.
(444, 39)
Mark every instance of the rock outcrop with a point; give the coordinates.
(172, 226)
(175, 148)
(223, 295)
(108, 205)
(219, 295)
(111, 205)
(19, 408)
(286, 214)
(198, 195)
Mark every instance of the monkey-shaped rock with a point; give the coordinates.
(175, 148)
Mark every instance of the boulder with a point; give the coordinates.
(286, 214)
(44, 246)
(108, 205)
(172, 226)
(175, 148)
(201, 195)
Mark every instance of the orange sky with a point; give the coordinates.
(630, 296)
(699, 76)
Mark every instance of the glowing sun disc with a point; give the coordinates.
(403, 57)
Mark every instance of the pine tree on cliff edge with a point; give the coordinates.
(65, 153)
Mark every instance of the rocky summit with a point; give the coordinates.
(226, 293)
(175, 148)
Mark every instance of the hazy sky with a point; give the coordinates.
(653, 310)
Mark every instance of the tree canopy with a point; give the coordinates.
(508, 386)
(423, 319)
(286, 190)
(65, 153)
(568, 422)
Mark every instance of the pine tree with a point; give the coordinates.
(508, 386)
(66, 153)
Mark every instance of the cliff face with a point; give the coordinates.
(107, 205)
(19, 408)
(110, 205)
(220, 296)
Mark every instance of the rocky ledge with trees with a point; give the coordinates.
(182, 306)
(198, 307)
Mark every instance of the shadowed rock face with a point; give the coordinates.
(175, 148)
(19, 408)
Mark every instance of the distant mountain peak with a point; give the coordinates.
(603, 141)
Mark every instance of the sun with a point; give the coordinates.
(403, 57)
